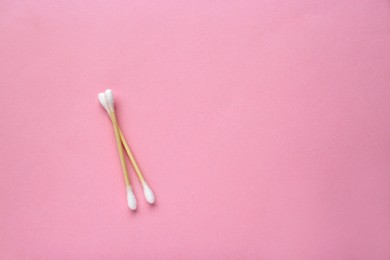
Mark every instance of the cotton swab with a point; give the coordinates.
(148, 193)
(107, 101)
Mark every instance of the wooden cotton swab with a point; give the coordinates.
(107, 101)
(148, 193)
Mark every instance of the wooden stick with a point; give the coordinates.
(131, 156)
(120, 148)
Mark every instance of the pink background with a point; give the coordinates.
(262, 126)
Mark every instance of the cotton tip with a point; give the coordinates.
(148, 193)
(102, 100)
(110, 99)
(131, 201)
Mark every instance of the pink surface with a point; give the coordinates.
(262, 126)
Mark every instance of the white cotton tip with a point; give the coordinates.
(102, 100)
(131, 201)
(148, 193)
(109, 99)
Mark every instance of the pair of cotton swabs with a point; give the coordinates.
(106, 99)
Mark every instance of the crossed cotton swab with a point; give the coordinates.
(106, 99)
